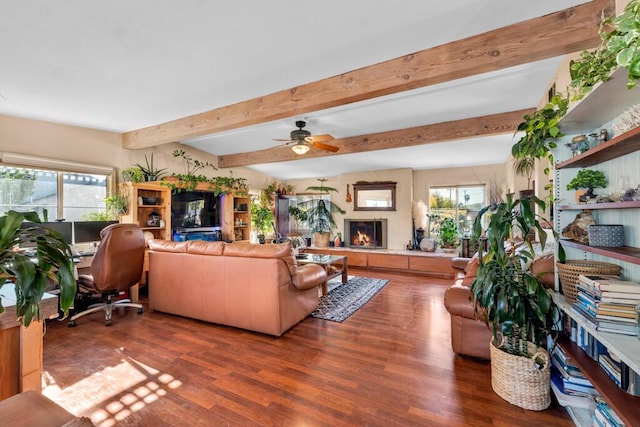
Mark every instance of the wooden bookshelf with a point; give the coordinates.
(627, 143)
(624, 404)
(623, 253)
(635, 204)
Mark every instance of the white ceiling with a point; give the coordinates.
(123, 65)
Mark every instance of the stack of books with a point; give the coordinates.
(604, 416)
(609, 303)
(567, 376)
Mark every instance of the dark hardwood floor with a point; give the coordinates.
(390, 364)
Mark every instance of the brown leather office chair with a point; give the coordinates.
(116, 266)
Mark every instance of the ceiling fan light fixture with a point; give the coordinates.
(300, 148)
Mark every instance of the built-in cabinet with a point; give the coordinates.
(236, 218)
(602, 105)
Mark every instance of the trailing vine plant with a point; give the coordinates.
(191, 179)
(620, 47)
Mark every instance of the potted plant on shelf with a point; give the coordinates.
(587, 179)
(449, 234)
(132, 174)
(117, 203)
(149, 172)
(30, 272)
(514, 303)
(525, 166)
(320, 214)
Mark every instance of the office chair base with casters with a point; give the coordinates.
(108, 307)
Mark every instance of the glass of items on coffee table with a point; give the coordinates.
(334, 265)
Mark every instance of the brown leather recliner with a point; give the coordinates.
(116, 266)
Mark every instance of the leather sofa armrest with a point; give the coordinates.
(309, 276)
(457, 301)
(459, 263)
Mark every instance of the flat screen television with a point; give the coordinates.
(195, 209)
(62, 227)
(89, 231)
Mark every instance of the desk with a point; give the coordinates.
(21, 355)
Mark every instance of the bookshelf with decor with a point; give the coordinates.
(150, 208)
(236, 218)
(588, 347)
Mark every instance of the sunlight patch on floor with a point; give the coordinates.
(112, 394)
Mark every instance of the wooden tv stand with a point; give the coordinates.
(436, 264)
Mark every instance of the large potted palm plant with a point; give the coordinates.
(31, 271)
(320, 214)
(514, 303)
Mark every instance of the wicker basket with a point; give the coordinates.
(571, 269)
(518, 379)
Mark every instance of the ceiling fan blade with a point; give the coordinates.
(319, 138)
(326, 147)
(282, 139)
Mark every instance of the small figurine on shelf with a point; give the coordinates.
(604, 136)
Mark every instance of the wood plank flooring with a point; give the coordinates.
(390, 364)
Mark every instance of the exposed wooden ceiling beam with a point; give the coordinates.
(428, 134)
(558, 33)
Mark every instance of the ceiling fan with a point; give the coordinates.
(302, 140)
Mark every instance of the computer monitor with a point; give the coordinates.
(63, 227)
(89, 231)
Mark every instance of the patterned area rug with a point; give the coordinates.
(344, 300)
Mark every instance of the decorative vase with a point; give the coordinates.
(419, 235)
(428, 244)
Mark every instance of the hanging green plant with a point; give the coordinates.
(541, 131)
(619, 48)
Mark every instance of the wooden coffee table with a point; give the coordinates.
(328, 262)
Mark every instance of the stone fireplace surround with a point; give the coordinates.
(365, 233)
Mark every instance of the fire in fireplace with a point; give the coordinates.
(366, 233)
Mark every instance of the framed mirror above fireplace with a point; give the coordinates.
(374, 196)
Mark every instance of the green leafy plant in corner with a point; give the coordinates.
(30, 274)
(513, 300)
(261, 218)
(320, 212)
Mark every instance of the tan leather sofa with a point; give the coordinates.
(256, 287)
(470, 336)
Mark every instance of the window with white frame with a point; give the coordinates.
(54, 194)
(462, 203)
